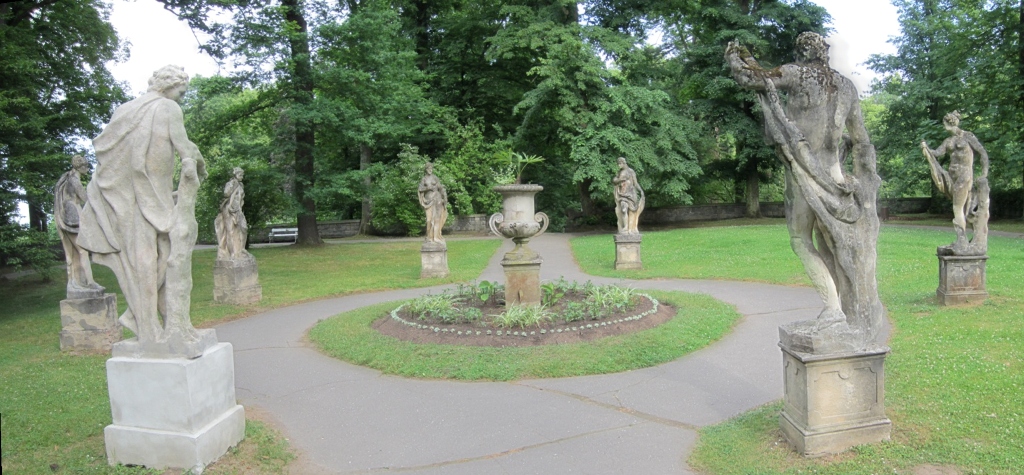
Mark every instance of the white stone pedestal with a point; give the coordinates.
(174, 412)
(627, 252)
(522, 276)
(89, 324)
(834, 402)
(236, 281)
(434, 260)
(961, 279)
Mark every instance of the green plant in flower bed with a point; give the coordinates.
(568, 299)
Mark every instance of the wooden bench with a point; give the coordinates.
(290, 234)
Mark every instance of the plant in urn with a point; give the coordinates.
(519, 222)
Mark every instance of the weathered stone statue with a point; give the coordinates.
(235, 273)
(831, 364)
(131, 224)
(232, 230)
(629, 198)
(969, 195)
(69, 197)
(831, 216)
(434, 200)
(171, 388)
(88, 315)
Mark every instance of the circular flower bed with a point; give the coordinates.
(570, 312)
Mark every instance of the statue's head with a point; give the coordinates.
(811, 47)
(239, 173)
(80, 164)
(429, 168)
(952, 120)
(622, 162)
(170, 81)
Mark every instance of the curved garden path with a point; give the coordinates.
(344, 418)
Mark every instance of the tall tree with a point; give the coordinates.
(954, 54)
(698, 32)
(56, 90)
(269, 43)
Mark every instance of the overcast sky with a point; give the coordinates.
(158, 38)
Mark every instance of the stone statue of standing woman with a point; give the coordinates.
(629, 199)
(434, 200)
(69, 197)
(969, 195)
(232, 229)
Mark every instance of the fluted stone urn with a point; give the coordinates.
(519, 222)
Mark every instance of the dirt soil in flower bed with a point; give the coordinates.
(533, 335)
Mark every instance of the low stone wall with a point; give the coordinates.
(906, 205)
(470, 223)
(350, 227)
(678, 214)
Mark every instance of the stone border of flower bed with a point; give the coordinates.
(542, 331)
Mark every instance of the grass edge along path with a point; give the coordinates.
(700, 320)
(54, 405)
(954, 378)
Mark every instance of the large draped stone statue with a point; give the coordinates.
(434, 200)
(232, 230)
(970, 195)
(629, 198)
(831, 215)
(833, 366)
(135, 223)
(69, 197)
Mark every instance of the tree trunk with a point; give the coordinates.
(36, 216)
(753, 194)
(586, 201)
(365, 159)
(305, 139)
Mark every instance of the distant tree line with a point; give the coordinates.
(333, 107)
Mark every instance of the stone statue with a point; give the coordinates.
(232, 230)
(969, 195)
(135, 223)
(830, 214)
(69, 196)
(629, 198)
(434, 200)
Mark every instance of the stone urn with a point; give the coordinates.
(519, 222)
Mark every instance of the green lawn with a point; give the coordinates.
(700, 321)
(53, 406)
(954, 378)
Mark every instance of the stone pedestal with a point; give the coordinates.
(236, 281)
(174, 412)
(522, 276)
(833, 402)
(961, 279)
(434, 260)
(627, 251)
(89, 324)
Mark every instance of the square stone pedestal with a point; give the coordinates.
(236, 281)
(627, 252)
(834, 402)
(961, 279)
(174, 412)
(89, 324)
(434, 260)
(522, 282)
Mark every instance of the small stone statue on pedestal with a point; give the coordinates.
(172, 393)
(434, 200)
(833, 366)
(88, 316)
(962, 263)
(629, 203)
(235, 274)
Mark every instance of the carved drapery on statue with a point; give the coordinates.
(232, 229)
(69, 197)
(434, 199)
(629, 199)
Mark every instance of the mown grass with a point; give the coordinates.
(1008, 225)
(954, 378)
(699, 321)
(53, 406)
